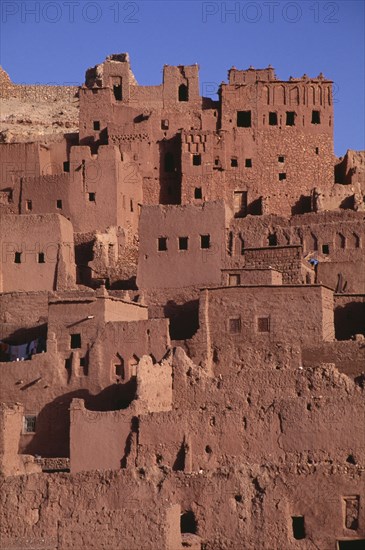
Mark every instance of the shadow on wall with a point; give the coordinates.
(184, 319)
(170, 171)
(303, 205)
(52, 436)
(349, 320)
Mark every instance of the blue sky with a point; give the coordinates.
(49, 41)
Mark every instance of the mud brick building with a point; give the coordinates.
(182, 317)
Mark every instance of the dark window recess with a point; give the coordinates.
(169, 163)
(244, 119)
(131, 206)
(234, 162)
(29, 205)
(325, 249)
(29, 423)
(316, 117)
(66, 166)
(92, 197)
(162, 244)
(183, 243)
(290, 118)
(188, 523)
(298, 527)
(204, 241)
(117, 90)
(197, 160)
(119, 370)
(216, 161)
(281, 159)
(183, 93)
(59, 204)
(263, 324)
(317, 150)
(351, 544)
(272, 239)
(234, 325)
(18, 258)
(164, 124)
(96, 125)
(273, 119)
(248, 163)
(41, 258)
(282, 176)
(198, 193)
(75, 341)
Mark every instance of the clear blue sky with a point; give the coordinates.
(55, 41)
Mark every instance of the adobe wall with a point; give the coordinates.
(347, 356)
(286, 259)
(251, 276)
(349, 315)
(180, 268)
(37, 253)
(20, 312)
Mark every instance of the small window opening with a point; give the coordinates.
(263, 324)
(92, 197)
(41, 258)
(164, 124)
(317, 150)
(298, 527)
(282, 176)
(198, 193)
(75, 341)
(183, 92)
(28, 205)
(234, 162)
(325, 249)
(290, 118)
(244, 119)
(119, 370)
(272, 239)
(183, 243)
(316, 117)
(234, 279)
(357, 544)
(96, 125)
(216, 161)
(281, 159)
(18, 258)
(188, 523)
(59, 204)
(66, 166)
(234, 325)
(204, 241)
(197, 160)
(131, 206)
(162, 244)
(29, 423)
(273, 119)
(117, 90)
(248, 163)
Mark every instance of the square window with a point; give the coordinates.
(234, 279)
(244, 119)
(204, 241)
(234, 325)
(325, 249)
(290, 118)
(29, 422)
(28, 205)
(198, 193)
(96, 125)
(183, 243)
(263, 324)
(273, 119)
(162, 244)
(248, 163)
(59, 204)
(282, 176)
(66, 166)
(164, 124)
(234, 162)
(41, 258)
(216, 161)
(281, 159)
(75, 341)
(316, 117)
(18, 258)
(92, 197)
(197, 160)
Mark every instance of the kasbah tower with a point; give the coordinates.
(182, 308)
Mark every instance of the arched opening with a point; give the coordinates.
(169, 163)
(183, 92)
(188, 523)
